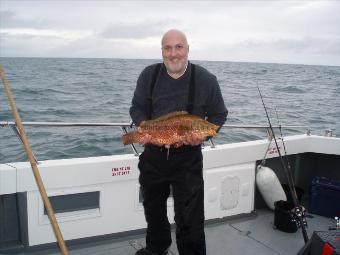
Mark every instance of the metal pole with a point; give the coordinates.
(16, 131)
(127, 125)
(34, 166)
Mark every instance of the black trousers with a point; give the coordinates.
(183, 171)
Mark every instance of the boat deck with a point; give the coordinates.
(252, 234)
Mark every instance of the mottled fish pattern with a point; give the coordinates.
(171, 129)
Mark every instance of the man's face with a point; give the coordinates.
(175, 50)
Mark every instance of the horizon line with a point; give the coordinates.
(159, 59)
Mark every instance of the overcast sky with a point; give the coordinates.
(282, 31)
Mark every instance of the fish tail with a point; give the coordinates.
(130, 138)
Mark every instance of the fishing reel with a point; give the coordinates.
(298, 214)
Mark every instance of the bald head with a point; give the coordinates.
(174, 33)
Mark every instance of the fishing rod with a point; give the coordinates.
(283, 142)
(298, 210)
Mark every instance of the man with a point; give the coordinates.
(175, 85)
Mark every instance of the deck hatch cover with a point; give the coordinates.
(230, 187)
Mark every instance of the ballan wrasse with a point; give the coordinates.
(171, 129)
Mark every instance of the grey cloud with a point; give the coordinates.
(6, 35)
(314, 45)
(8, 19)
(135, 31)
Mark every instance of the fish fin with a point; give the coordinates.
(170, 115)
(215, 127)
(130, 138)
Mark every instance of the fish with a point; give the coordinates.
(171, 129)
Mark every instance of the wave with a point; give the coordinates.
(290, 89)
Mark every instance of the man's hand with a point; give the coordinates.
(178, 144)
(146, 138)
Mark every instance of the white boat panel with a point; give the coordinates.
(117, 213)
(239, 153)
(68, 173)
(8, 184)
(325, 145)
(229, 190)
(229, 173)
(18, 177)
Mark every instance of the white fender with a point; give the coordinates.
(269, 186)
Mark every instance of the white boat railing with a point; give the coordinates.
(124, 126)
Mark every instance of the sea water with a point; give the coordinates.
(100, 90)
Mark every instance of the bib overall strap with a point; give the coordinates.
(191, 96)
(152, 86)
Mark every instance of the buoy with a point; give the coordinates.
(269, 186)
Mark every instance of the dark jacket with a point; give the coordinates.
(171, 95)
